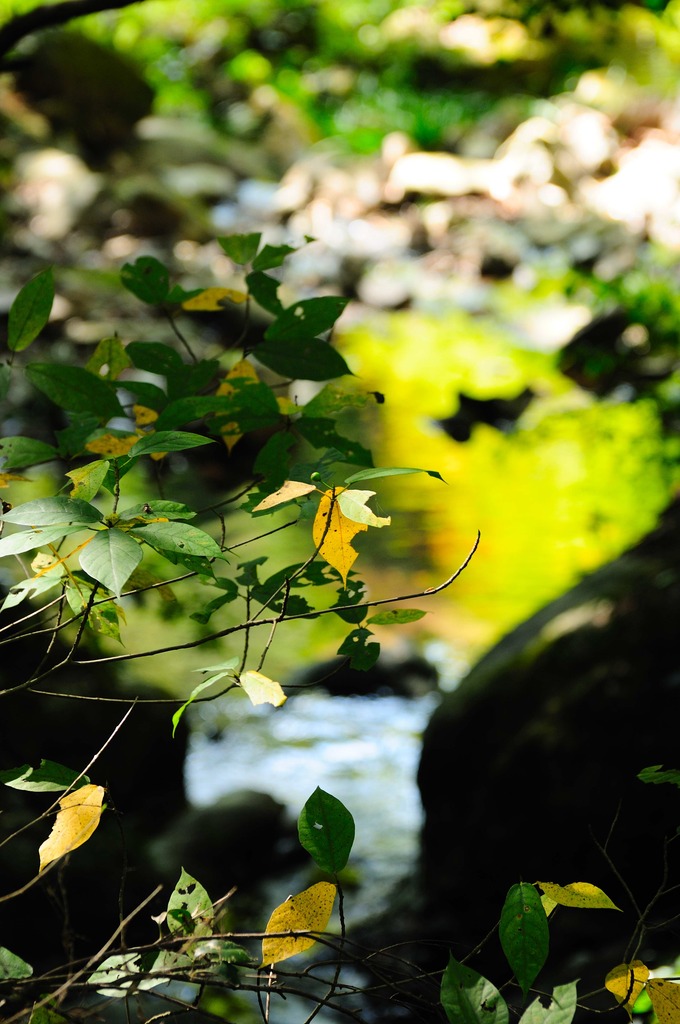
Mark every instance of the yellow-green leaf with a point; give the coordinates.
(214, 299)
(578, 894)
(88, 479)
(261, 689)
(548, 905)
(335, 536)
(626, 982)
(665, 996)
(353, 506)
(309, 911)
(287, 492)
(77, 819)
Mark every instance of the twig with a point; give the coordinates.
(50, 15)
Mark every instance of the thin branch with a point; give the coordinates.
(48, 16)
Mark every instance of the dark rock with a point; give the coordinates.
(392, 675)
(532, 762)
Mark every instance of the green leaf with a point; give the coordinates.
(232, 663)
(263, 289)
(75, 389)
(109, 359)
(154, 357)
(148, 279)
(326, 831)
(306, 319)
(372, 474)
(30, 311)
(396, 617)
(560, 1010)
(523, 932)
(158, 507)
(72, 439)
(190, 408)
(115, 975)
(229, 594)
(12, 966)
(469, 998)
(110, 558)
(190, 909)
(330, 400)
(49, 777)
(321, 433)
(240, 248)
(656, 775)
(50, 511)
(362, 655)
(29, 539)
(272, 256)
(302, 359)
(273, 459)
(251, 405)
(45, 1015)
(32, 587)
(19, 452)
(181, 538)
(353, 593)
(168, 441)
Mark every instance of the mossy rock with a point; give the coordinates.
(530, 767)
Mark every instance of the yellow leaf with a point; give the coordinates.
(291, 489)
(143, 415)
(214, 299)
(626, 982)
(665, 996)
(578, 894)
(112, 446)
(353, 506)
(7, 478)
(548, 905)
(337, 536)
(309, 911)
(76, 821)
(286, 406)
(261, 689)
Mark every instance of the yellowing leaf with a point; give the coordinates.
(213, 299)
(626, 982)
(261, 689)
(286, 406)
(76, 821)
(143, 415)
(7, 478)
(112, 446)
(665, 996)
(309, 911)
(335, 536)
(291, 489)
(578, 894)
(548, 905)
(231, 432)
(353, 506)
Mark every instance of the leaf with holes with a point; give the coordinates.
(560, 1010)
(309, 911)
(326, 831)
(190, 909)
(469, 998)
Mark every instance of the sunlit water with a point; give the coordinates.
(362, 750)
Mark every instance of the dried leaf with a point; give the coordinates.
(309, 911)
(578, 894)
(287, 492)
(626, 982)
(112, 446)
(261, 689)
(76, 821)
(335, 536)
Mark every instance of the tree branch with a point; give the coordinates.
(50, 15)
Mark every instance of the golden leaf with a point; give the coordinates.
(214, 299)
(626, 982)
(665, 996)
(112, 446)
(289, 490)
(309, 911)
(578, 894)
(144, 415)
(231, 432)
(76, 821)
(7, 478)
(335, 535)
(261, 689)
